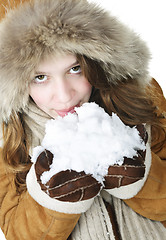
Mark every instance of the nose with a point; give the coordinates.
(63, 91)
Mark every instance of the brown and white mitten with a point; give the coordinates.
(124, 181)
(66, 191)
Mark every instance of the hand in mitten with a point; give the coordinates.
(68, 185)
(131, 171)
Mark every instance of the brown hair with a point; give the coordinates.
(126, 98)
(15, 149)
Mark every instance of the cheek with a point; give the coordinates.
(85, 87)
(38, 96)
(88, 91)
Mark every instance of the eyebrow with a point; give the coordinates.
(46, 73)
(41, 73)
(73, 64)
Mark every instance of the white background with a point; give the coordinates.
(147, 18)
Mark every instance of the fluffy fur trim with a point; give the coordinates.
(40, 27)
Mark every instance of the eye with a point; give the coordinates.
(40, 78)
(76, 69)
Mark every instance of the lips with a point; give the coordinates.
(64, 112)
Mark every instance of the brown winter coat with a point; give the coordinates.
(23, 218)
(151, 200)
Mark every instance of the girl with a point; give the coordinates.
(56, 55)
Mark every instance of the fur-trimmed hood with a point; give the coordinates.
(40, 27)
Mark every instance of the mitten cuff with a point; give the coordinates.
(44, 200)
(129, 191)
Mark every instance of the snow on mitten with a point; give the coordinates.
(89, 143)
(131, 171)
(68, 185)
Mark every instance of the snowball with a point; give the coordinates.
(89, 140)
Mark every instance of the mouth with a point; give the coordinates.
(64, 112)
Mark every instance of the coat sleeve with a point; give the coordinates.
(150, 202)
(21, 217)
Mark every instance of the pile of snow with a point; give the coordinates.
(89, 140)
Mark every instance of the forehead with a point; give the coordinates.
(59, 62)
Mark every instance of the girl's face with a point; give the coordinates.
(59, 85)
